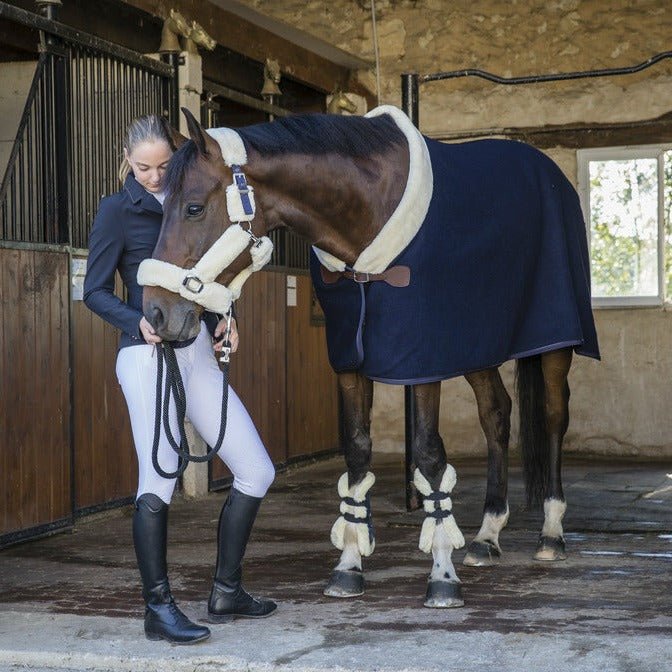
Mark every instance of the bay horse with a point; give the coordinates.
(430, 261)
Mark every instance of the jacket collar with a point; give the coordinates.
(140, 196)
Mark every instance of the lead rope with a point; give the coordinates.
(175, 387)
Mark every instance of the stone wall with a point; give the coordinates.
(509, 38)
(620, 405)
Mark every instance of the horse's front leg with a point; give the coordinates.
(435, 480)
(555, 367)
(494, 413)
(352, 532)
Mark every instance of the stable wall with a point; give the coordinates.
(16, 79)
(620, 405)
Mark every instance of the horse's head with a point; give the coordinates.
(204, 244)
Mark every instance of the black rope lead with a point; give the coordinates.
(175, 387)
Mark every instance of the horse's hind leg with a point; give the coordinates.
(352, 532)
(435, 480)
(555, 367)
(494, 412)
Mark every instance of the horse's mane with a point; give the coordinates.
(323, 134)
(178, 165)
(301, 134)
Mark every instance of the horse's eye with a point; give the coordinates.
(194, 210)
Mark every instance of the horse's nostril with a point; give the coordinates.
(156, 318)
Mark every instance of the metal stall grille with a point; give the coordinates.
(107, 92)
(68, 145)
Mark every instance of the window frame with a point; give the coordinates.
(584, 157)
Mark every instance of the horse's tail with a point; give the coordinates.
(533, 435)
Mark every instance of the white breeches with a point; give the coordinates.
(242, 449)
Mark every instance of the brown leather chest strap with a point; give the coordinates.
(396, 276)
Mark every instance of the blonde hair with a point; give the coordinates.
(147, 128)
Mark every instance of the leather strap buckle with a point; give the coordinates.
(193, 284)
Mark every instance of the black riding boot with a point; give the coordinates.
(163, 620)
(228, 598)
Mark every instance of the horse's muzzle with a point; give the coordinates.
(173, 318)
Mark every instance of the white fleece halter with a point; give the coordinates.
(410, 213)
(198, 283)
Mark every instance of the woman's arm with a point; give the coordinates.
(106, 247)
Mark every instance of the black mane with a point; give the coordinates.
(323, 134)
(301, 134)
(178, 165)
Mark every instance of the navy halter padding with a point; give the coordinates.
(241, 184)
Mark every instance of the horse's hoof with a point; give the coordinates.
(345, 583)
(444, 595)
(550, 549)
(482, 554)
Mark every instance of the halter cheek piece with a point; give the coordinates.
(198, 283)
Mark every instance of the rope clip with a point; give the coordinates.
(226, 348)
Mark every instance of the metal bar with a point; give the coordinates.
(73, 35)
(62, 158)
(410, 96)
(173, 101)
(409, 103)
(25, 117)
(412, 495)
(535, 79)
(245, 99)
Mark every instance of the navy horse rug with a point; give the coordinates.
(484, 260)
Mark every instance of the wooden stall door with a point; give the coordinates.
(281, 371)
(257, 369)
(35, 390)
(312, 393)
(105, 467)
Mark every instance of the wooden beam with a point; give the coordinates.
(578, 136)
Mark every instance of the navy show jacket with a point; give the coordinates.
(124, 233)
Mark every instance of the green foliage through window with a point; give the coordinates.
(624, 226)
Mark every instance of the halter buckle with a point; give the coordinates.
(193, 284)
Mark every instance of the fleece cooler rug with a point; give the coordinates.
(499, 270)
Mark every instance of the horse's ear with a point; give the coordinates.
(196, 131)
(205, 143)
(175, 138)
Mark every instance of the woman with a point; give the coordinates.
(125, 231)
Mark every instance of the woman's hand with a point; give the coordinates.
(148, 333)
(233, 336)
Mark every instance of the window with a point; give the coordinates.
(626, 195)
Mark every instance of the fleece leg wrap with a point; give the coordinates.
(438, 510)
(355, 510)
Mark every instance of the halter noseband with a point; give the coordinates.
(198, 284)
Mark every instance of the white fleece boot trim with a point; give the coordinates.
(438, 510)
(355, 511)
(411, 211)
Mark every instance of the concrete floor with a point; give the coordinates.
(72, 601)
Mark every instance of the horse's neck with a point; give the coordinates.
(338, 204)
